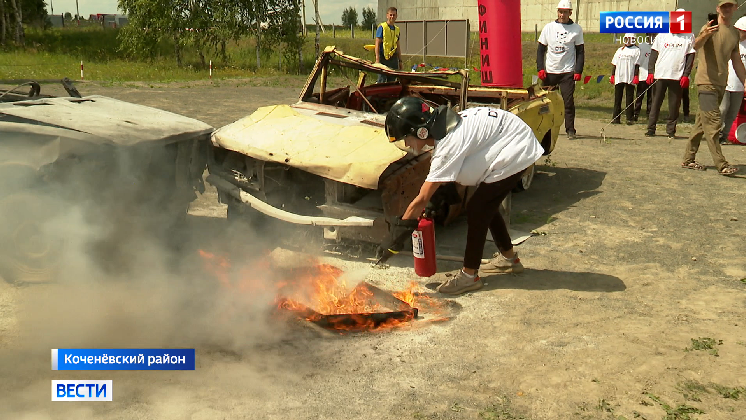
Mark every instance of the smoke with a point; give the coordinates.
(119, 268)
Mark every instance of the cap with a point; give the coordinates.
(629, 35)
(564, 4)
(722, 2)
(741, 24)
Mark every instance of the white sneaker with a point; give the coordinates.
(499, 265)
(460, 283)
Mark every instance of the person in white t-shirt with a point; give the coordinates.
(625, 74)
(670, 65)
(560, 59)
(642, 86)
(481, 147)
(734, 91)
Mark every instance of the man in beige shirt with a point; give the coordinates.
(716, 44)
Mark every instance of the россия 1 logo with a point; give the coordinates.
(646, 22)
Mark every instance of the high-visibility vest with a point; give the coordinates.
(390, 39)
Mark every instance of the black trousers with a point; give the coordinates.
(483, 214)
(566, 84)
(627, 89)
(685, 101)
(674, 101)
(642, 87)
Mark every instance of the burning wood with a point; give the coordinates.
(319, 294)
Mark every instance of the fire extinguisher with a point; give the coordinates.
(423, 248)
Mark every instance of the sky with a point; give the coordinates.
(330, 10)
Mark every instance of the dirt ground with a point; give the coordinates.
(634, 258)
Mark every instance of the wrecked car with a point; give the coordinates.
(325, 160)
(89, 165)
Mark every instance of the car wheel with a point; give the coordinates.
(526, 179)
(28, 253)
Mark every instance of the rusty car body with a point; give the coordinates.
(325, 160)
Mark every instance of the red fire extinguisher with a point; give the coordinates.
(423, 248)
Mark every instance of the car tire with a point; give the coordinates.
(526, 179)
(28, 254)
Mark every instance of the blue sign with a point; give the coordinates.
(123, 359)
(635, 22)
(82, 390)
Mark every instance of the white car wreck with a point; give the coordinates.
(325, 160)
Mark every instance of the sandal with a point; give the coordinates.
(693, 165)
(728, 170)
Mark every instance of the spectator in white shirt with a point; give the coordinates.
(670, 65)
(624, 76)
(642, 86)
(734, 91)
(560, 58)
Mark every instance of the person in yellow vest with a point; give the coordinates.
(387, 45)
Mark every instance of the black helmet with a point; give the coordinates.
(412, 115)
(409, 115)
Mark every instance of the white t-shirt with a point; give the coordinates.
(625, 59)
(672, 50)
(561, 40)
(735, 85)
(645, 50)
(487, 146)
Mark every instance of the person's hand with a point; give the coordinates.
(650, 79)
(707, 32)
(542, 74)
(636, 80)
(611, 79)
(577, 77)
(399, 231)
(684, 82)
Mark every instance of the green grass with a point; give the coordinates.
(705, 343)
(57, 53)
(680, 412)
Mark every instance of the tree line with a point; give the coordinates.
(207, 25)
(15, 13)
(350, 17)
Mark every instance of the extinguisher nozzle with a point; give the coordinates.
(386, 255)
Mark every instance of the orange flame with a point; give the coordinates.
(318, 291)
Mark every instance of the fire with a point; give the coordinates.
(324, 289)
(319, 293)
(407, 296)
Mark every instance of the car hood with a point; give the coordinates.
(335, 143)
(38, 132)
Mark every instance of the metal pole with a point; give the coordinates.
(352, 29)
(77, 12)
(466, 57)
(334, 30)
(536, 32)
(424, 41)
